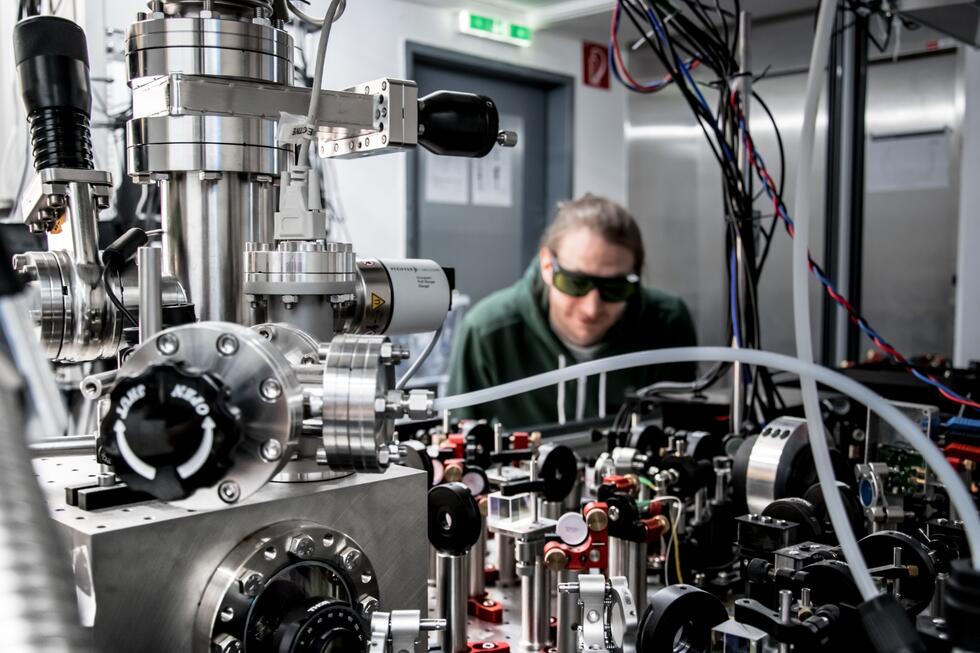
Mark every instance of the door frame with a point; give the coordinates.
(560, 108)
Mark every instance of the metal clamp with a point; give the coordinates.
(400, 631)
(608, 614)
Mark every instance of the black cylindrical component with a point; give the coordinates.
(458, 124)
(680, 618)
(963, 605)
(887, 626)
(123, 248)
(454, 519)
(51, 55)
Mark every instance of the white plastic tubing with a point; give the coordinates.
(958, 494)
(801, 305)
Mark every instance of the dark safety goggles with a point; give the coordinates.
(577, 284)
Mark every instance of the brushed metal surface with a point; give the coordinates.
(141, 570)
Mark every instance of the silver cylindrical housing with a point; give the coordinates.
(551, 509)
(222, 45)
(207, 219)
(217, 172)
(451, 595)
(398, 296)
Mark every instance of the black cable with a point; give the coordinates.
(111, 294)
(714, 47)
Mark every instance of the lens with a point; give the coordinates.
(572, 284)
(616, 290)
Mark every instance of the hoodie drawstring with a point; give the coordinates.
(561, 392)
(581, 386)
(602, 395)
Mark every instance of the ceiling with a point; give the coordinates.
(595, 24)
(589, 19)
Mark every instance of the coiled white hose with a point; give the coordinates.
(801, 305)
(933, 457)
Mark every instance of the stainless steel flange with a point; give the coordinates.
(261, 388)
(357, 429)
(316, 563)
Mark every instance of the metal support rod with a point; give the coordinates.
(433, 566)
(478, 562)
(535, 595)
(844, 223)
(99, 384)
(897, 561)
(567, 610)
(785, 604)
(937, 609)
(67, 445)
(617, 556)
(542, 602)
(148, 261)
(451, 598)
(629, 559)
(636, 576)
(507, 577)
(535, 511)
(743, 84)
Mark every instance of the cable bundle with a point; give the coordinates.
(683, 35)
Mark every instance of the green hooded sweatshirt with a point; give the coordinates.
(507, 337)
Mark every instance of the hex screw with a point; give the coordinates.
(227, 344)
(271, 450)
(167, 344)
(301, 546)
(351, 559)
(368, 605)
(225, 644)
(250, 582)
(270, 389)
(229, 491)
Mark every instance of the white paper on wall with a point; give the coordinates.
(493, 175)
(447, 179)
(908, 162)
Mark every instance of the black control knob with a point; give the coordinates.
(170, 431)
(458, 124)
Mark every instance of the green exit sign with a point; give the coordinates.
(496, 29)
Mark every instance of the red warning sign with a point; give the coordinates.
(595, 65)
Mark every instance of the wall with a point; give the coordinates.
(967, 344)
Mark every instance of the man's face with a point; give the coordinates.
(583, 321)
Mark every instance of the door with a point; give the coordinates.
(484, 217)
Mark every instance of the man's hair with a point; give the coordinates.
(603, 216)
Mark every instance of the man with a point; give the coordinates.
(579, 300)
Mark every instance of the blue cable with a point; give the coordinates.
(733, 296)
